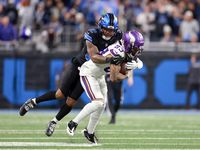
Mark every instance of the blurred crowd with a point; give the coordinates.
(158, 20)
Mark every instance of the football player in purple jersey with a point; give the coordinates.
(92, 77)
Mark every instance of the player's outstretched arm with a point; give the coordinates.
(96, 58)
(94, 53)
(117, 59)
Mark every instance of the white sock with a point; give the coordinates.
(34, 100)
(94, 119)
(55, 120)
(87, 110)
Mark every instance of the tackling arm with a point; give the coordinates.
(96, 58)
(94, 53)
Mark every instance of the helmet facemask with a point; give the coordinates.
(134, 52)
(107, 30)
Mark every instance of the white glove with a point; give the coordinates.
(131, 65)
(140, 64)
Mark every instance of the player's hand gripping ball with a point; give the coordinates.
(123, 70)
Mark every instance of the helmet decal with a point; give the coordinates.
(133, 42)
(141, 38)
(111, 16)
(132, 38)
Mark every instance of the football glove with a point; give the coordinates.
(131, 65)
(138, 64)
(117, 59)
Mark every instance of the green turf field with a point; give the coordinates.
(132, 131)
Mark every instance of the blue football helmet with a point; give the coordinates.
(108, 21)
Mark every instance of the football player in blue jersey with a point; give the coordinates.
(96, 40)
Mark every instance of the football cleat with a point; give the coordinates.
(28, 105)
(50, 128)
(90, 137)
(71, 127)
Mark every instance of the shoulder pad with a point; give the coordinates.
(89, 33)
(119, 34)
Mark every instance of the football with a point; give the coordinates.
(123, 68)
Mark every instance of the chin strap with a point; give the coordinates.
(106, 38)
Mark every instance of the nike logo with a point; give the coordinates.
(71, 130)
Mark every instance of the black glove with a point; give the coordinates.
(117, 59)
(129, 59)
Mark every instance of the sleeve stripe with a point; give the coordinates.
(87, 37)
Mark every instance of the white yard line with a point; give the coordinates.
(110, 149)
(35, 132)
(44, 144)
(102, 133)
(115, 130)
(84, 144)
(112, 138)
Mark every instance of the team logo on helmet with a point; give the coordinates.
(141, 40)
(132, 38)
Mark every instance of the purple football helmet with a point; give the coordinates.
(133, 42)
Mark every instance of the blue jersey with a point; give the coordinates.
(94, 36)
